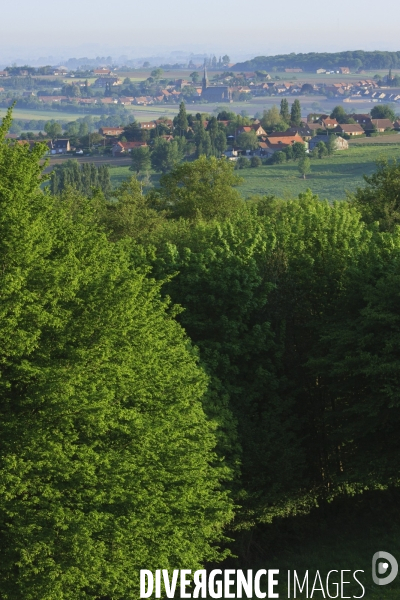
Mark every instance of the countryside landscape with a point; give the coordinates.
(199, 303)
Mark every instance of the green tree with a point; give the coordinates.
(156, 73)
(299, 150)
(295, 113)
(321, 149)
(304, 166)
(100, 407)
(271, 119)
(141, 160)
(203, 142)
(248, 140)
(181, 121)
(383, 111)
(195, 77)
(379, 200)
(284, 112)
(339, 114)
(165, 155)
(255, 161)
(202, 188)
(53, 129)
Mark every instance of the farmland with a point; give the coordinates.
(330, 177)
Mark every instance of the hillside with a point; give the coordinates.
(357, 59)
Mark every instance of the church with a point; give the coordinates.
(215, 93)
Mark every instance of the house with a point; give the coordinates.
(344, 70)
(305, 132)
(329, 123)
(396, 125)
(355, 129)
(102, 71)
(248, 128)
(103, 82)
(382, 124)
(121, 148)
(320, 71)
(284, 137)
(360, 118)
(111, 131)
(340, 143)
(3, 73)
(60, 71)
(61, 146)
(147, 125)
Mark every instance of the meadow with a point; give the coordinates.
(330, 177)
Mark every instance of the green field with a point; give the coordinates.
(45, 115)
(330, 178)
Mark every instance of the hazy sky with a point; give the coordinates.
(90, 27)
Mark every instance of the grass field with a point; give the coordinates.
(39, 115)
(330, 178)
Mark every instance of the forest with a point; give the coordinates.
(186, 376)
(354, 59)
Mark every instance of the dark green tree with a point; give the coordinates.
(284, 112)
(295, 113)
(141, 159)
(165, 155)
(383, 111)
(180, 121)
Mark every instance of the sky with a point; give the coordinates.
(75, 28)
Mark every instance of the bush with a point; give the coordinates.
(255, 161)
(242, 163)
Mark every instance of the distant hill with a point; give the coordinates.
(357, 59)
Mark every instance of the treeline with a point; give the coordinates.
(357, 59)
(180, 368)
(84, 178)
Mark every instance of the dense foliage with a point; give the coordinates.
(354, 59)
(122, 444)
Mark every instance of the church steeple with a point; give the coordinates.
(205, 78)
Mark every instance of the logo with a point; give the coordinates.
(381, 561)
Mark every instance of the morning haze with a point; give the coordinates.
(32, 29)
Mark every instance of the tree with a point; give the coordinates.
(141, 160)
(132, 132)
(203, 142)
(248, 140)
(284, 112)
(295, 113)
(299, 150)
(255, 161)
(379, 200)
(278, 158)
(383, 111)
(331, 143)
(226, 60)
(339, 114)
(101, 399)
(53, 129)
(271, 119)
(307, 88)
(322, 149)
(202, 188)
(242, 163)
(304, 166)
(194, 76)
(156, 73)
(165, 155)
(220, 142)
